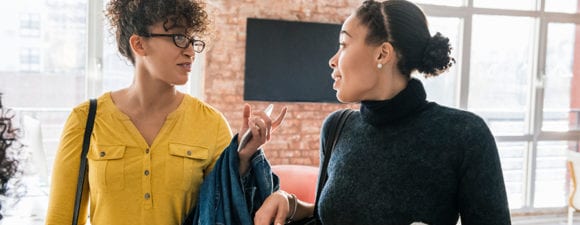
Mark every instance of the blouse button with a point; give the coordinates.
(189, 153)
(147, 196)
(147, 151)
(102, 154)
(146, 172)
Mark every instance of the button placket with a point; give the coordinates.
(146, 179)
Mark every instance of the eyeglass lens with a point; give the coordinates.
(182, 42)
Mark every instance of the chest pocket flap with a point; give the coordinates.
(107, 152)
(189, 151)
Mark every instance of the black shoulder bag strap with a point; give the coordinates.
(334, 129)
(83, 167)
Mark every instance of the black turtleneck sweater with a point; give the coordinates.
(407, 160)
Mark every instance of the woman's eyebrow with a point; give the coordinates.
(345, 32)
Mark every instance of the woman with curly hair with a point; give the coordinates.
(8, 164)
(151, 146)
(400, 159)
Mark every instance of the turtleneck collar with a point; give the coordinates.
(405, 104)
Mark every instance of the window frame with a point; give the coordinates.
(533, 134)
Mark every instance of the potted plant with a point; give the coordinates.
(9, 147)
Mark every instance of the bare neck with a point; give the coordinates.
(391, 82)
(147, 96)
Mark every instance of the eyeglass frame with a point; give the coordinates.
(191, 41)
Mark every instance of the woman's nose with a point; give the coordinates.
(332, 61)
(189, 53)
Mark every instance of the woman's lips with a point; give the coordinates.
(336, 80)
(186, 66)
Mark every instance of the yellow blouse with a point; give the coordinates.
(131, 182)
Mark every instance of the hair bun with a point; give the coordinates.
(436, 58)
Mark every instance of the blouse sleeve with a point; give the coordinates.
(223, 138)
(65, 173)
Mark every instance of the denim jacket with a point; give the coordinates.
(228, 198)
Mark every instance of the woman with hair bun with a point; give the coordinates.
(400, 159)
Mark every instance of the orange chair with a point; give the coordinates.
(298, 179)
(574, 198)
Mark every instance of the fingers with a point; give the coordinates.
(259, 129)
(264, 217)
(245, 119)
(273, 125)
(260, 125)
(281, 216)
(267, 212)
(247, 113)
(274, 209)
(264, 119)
(283, 207)
(280, 118)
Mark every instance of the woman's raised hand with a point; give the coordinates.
(260, 125)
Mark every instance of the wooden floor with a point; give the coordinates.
(560, 219)
(31, 210)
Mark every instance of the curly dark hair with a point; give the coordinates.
(8, 141)
(128, 17)
(404, 25)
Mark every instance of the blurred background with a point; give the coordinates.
(518, 67)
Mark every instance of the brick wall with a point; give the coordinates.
(297, 140)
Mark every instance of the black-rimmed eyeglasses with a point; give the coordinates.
(182, 41)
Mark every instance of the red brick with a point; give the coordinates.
(297, 139)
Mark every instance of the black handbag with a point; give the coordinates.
(335, 127)
(83, 167)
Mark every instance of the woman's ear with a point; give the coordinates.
(137, 45)
(386, 52)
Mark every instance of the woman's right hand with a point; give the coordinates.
(275, 209)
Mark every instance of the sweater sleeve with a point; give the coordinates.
(482, 195)
(65, 172)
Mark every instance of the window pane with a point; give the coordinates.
(551, 183)
(561, 106)
(502, 4)
(117, 70)
(500, 71)
(43, 53)
(442, 89)
(441, 2)
(51, 122)
(30, 24)
(564, 6)
(512, 163)
(42, 75)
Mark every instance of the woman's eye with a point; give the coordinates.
(180, 38)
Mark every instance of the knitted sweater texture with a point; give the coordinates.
(408, 160)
